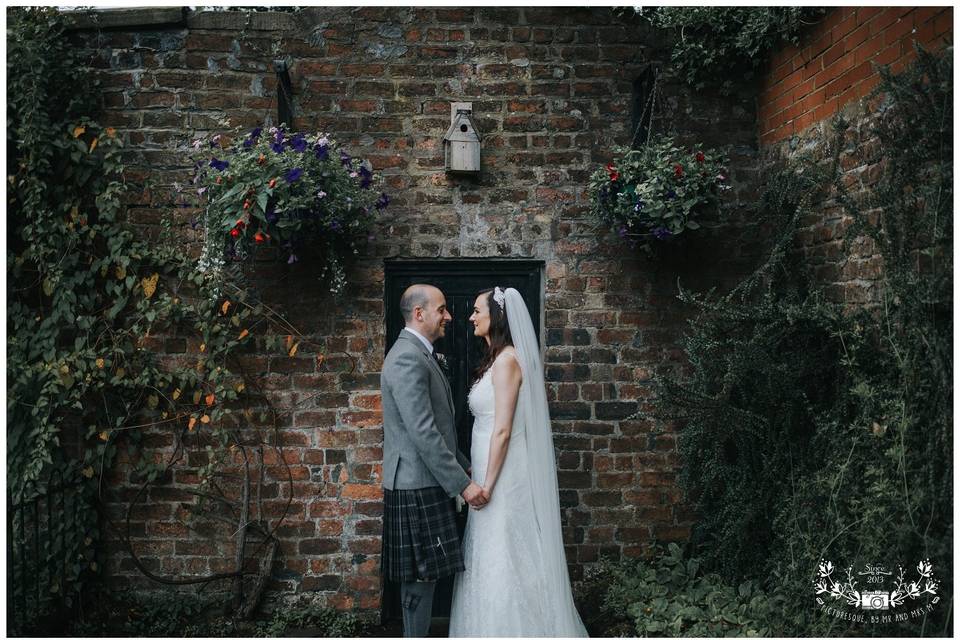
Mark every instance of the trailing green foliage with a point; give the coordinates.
(325, 622)
(87, 299)
(294, 191)
(670, 595)
(727, 45)
(657, 192)
(818, 432)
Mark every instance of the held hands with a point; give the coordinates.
(475, 495)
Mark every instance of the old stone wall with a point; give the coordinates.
(552, 93)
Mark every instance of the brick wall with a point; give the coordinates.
(830, 73)
(834, 63)
(552, 91)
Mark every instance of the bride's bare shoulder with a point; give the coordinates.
(507, 361)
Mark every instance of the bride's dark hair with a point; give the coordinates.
(499, 333)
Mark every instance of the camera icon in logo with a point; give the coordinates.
(875, 600)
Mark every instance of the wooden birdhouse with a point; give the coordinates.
(461, 144)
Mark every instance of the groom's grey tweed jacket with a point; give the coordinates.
(419, 435)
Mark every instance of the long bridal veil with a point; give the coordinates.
(542, 468)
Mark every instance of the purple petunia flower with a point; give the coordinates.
(345, 158)
(671, 194)
(219, 165)
(382, 201)
(660, 233)
(277, 144)
(298, 143)
(366, 177)
(335, 225)
(322, 151)
(271, 213)
(293, 175)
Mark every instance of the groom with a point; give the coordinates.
(423, 470)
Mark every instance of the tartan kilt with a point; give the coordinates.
(420, 537)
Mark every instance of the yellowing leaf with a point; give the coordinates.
(204, 418)
(192, 423)
(240, 387)
(120, 272)
(88, 541)
(224, 307)
(196, 397)
(203, 347)
(104, 435)
(149, 285)
(293, 350)
(289, 342)
(48, 287)
(153, 401)
(176, 393)
(121, 372)
(100, 363)
(88, 472)
(243, 334)
(93, 145)
(78, 131)
(210, 399)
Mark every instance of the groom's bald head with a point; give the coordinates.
(416, 295)
(424, 309)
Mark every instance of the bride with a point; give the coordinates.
(516, 581)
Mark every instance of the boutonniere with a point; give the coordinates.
(442, 361)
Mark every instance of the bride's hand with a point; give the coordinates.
(486, 497)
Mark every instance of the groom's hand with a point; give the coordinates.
(475, 495)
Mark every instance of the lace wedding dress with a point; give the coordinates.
(515, 583)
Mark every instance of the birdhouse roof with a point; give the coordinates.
(455, 135)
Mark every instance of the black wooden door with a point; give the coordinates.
(460, 281)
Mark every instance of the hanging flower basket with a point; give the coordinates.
(653, 194)
(284, 189)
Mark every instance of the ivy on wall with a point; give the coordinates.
(818, 433)
(91, 308)
(724, 46)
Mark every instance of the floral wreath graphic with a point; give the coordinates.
(848, 592)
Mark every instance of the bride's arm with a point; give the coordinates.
(506, 387)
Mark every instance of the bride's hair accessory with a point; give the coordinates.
(499, 296)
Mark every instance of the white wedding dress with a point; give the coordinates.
(515, 583)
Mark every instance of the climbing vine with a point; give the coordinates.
(119, 350)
